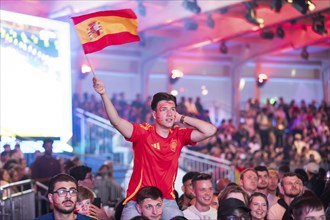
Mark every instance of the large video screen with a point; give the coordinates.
(35, 77)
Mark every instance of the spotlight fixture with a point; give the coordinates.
(223, 48)
(210, 21)
(251, 14)
(267, 35)
(280, 32)
(304, 53)
(142, 9)
(262, 79)
(191, 25)
(223, 10)
(302, 5)
(276, 5)
(192, 6)
(318, 24)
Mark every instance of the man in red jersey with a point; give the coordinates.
(156, 147)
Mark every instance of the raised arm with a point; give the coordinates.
(122, 125)
(202, 130)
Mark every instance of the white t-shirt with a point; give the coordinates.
(192, 213)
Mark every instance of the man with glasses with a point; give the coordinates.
(83, 175)
(292, 187)
(62, 194)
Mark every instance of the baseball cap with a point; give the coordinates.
(312, 167)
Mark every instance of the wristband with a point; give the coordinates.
(182, 119)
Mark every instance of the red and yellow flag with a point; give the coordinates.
(101, 29)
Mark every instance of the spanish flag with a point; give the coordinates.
(101, 29)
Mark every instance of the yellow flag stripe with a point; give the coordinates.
(109, 25)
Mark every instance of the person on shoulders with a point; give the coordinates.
(156, 148)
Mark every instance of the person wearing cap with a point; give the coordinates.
(314, 183)
(233, 209)
(203, 191)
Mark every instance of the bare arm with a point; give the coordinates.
(122, 125)
(202, 130)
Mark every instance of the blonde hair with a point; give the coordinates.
(84, 193)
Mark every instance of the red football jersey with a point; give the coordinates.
(156, 159)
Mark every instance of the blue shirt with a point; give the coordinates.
(50, 216)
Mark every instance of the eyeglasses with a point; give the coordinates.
(291, 184)
(64, 192)
(233, 217)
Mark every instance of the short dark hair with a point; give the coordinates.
(189, 176)
(79, 172)
(261, 168)
(150, 192)
(305, 203)
(62, 177)
(200, 176)
(290, 174)
(46, 141)
(160, 96)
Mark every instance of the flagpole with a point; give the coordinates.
(89, 63)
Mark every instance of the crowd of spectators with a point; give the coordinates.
(270, 134)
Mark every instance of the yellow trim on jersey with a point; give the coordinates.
(136, 190)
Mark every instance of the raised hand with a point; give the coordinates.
(98, 86)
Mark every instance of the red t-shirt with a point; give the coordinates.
(156, 159)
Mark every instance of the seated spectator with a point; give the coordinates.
(149, 202)
(233, 209)
(62, 194)
(259, 206)
(84, 200)
(307, 206)
(203, 191)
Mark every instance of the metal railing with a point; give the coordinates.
(189, 160)
(17, 201)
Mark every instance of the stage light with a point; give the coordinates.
(209, 21)
(267, 35)
(223, 48)
(318, 24)
(276, 5)
(192, 6)
(280, 32)
(191, 25)
(262, 79)
(85, 69)
(251, 16)
(175, 75)
(302, 5)
(304, 53)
